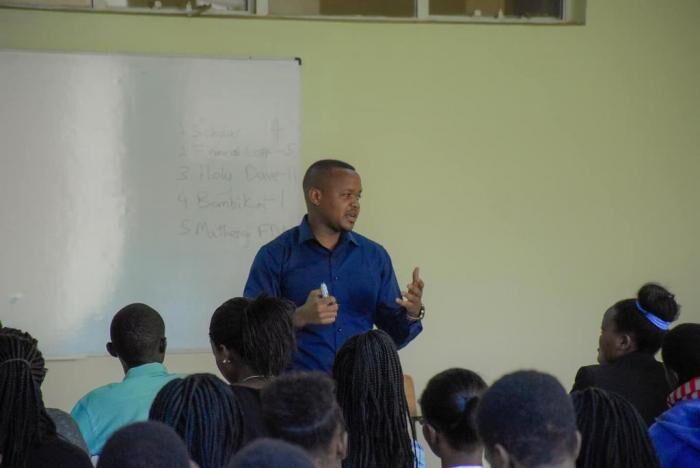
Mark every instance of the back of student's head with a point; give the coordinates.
(613, 434)
(259, 331)
(138, 335)
(302, 409)
(147, 444)
(449, 403)
(371, 394)
(269, 453)
(681, 351)
(204, 412)
(646, 318)
(23, 418)
(530, 416)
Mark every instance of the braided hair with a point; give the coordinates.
(205, 413)
(23, 418)
(449, 403)
(259, 330)
(613, 433)
(371, 394)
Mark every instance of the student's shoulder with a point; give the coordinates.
(58, 453)
(100, 393)
(586, 377)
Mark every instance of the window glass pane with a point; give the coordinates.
(516, 8)
(390, 8)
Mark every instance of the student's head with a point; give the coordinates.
(681, 351)
(332, 191)
(138, 336)
(270, 453)
(448, 405)
(204, 412)
(147, 444)
(253, 337)
(613, 434)
(637, 324)
(23, 418)
(302, 409)
(526, 419)
(371, 394)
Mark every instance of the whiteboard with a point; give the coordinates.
(129, 178)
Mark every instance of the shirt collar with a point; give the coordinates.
(146, 370)
(306, 234)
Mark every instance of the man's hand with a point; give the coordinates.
(317, 310)
(412, 298)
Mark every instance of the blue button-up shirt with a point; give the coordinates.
(358, 273)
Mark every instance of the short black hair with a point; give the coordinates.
(259, 330)
(613, 433)
(371, 393)
(148, 444)
(681, 351)
(530, 414)
(449, 404)
(318, 170)
(270, 453)
(654, 299)
(205, 413)
(301, 409)
(137, 332)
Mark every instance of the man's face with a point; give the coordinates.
(339, 203)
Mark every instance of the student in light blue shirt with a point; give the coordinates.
(138, 341)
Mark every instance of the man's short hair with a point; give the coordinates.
(531, 416)
(302, 409)
(318, 170)
(269, 453)
(144, 445)
(681, 351)
(137, 331)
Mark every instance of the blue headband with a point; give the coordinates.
(662, 324)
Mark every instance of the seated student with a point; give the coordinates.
(676, 433)
(138, 341)
(147, 444)
(371, 394)
(613, 434)
(302, 409)
(252, 341)
(526, 419)
(204, 412)
(448, 405)
(66, 427)
(269, 453)
(630, 336)
(28, 436)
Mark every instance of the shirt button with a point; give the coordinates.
(337, 278)
(340, 330)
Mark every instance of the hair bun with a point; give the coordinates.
(658, 300)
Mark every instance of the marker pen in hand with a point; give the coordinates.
(324, 290)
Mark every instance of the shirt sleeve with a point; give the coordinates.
(390, 316)
(81, 414)
(264, 276)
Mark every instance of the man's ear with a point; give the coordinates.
(341, 446)
(163, 345)
(578, 444)
(498, 457)
(315, 196)
(430, 435)
(111, 349)
(625, 343)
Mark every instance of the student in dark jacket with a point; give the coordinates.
(631, 334)
(676, 433)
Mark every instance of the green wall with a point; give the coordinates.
(536, 173)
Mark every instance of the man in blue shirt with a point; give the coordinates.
(138, 340)
(362, 286)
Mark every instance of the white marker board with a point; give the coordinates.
(128, 178)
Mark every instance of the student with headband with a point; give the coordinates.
(631, 334)
(448, 405)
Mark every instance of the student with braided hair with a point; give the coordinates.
(28, 436)
(371, 394)
(252, 341)
(613, 434)
(448, 405)
(676, 433)
(631, 334)
(302, 409)
(205, 413)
